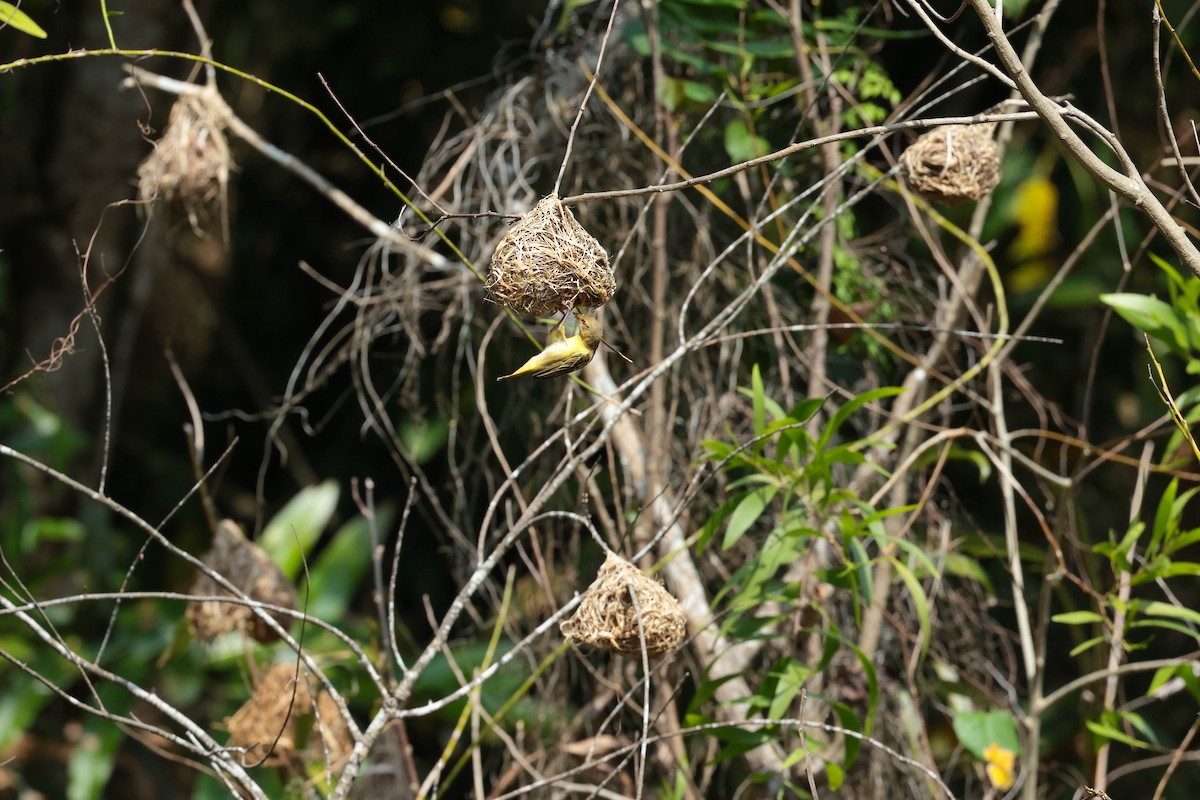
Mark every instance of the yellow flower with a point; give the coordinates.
(1000, 763)
(562, 357)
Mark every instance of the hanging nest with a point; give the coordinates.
(549, 263)
(607, 617)
(274, 723)
(953, 164)
(191, 161)
(246, 566)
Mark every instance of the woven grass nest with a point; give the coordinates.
(548, 263)
(246, 566)
(607, 617)
(953, 164)
(272, 724)
(191, 161)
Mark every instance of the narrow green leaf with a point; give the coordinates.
(1078, 618)
(714, 522)
(748, 510)
(298, 525)
(699, 92)
(13, 17)
(852, 405)
(338, 572)
(1151, 316)
(920, 602)
(1162, 517)
(758, 395)
(791, 681)
(964, 566)
(805, 409)
(1084, 646)
(1161, 676)
(835, 774)
(1157, 608)
(1105, 731)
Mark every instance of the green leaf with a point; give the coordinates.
(749, 509)
(964, 566)
(736, 4)
(861, 563)
(424, 439)
(714, 522)
(92, 762)
(791, 680)
(978, 729)
(778, 47)
(741, 741)
(920, 602)
(295, 530)
(741, 145)
(955, 453)
(1104, 730)
(805, 409)
(1181, 671)
(1078, 618)
(14, 17)
(1086, 645)
(1163, 624)
(717, 450)
(849, 721)
(1157, 608)
(855, 403)
(337, 574)
(50, 529)
(1151, 316)
(1164, 516)
(835, 774)
(699, 92)
(1138, 723)
(758, 395)
(20, 703)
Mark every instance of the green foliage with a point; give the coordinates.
(749, 53)
(1176, 324)
(504, 692)
(1145, 557)
(337, 574)
(94, 758)
(877, 94)
(787, 483)
(1113, 726)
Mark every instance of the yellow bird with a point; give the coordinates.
(563, 356)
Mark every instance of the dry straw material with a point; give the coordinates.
(191, 162)
(608, 618)
(268, 725)
(246, 566)
(953, 164)
(548, 263)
